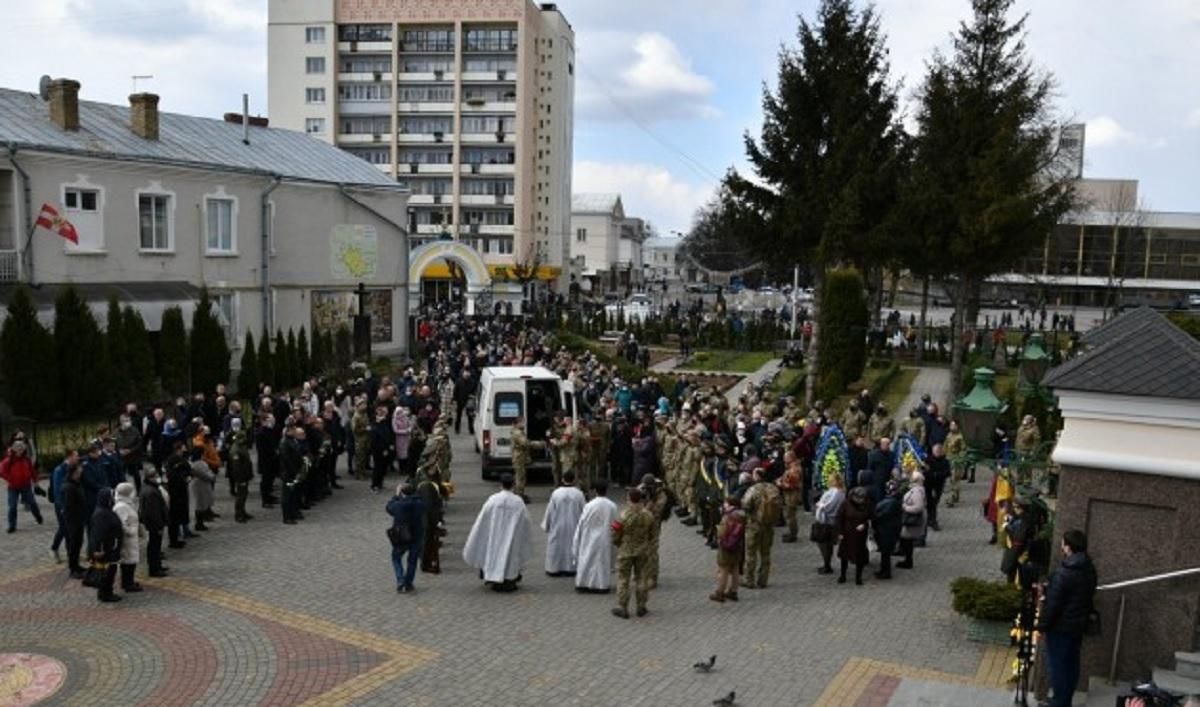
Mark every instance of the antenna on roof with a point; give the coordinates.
(245, 118)
(140, 77)
(44, 87)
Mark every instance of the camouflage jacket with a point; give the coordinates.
(633, 533)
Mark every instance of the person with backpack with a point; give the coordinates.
(764, 505)
(731, 534)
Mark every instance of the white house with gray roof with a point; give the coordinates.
(605, 243)
(279, 226)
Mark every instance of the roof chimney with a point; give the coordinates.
(143, 115)
(64, 103)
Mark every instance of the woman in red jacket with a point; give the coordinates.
(17, 471)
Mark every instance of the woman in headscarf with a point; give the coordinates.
(914, 518)
(126, 509)
(106, 535)
(824, 532)
(853, 521)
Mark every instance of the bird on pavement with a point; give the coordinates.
(705, 666)
(727, 700)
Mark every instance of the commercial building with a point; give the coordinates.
(469, 104)
(281, 228)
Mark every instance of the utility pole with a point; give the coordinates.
(795, 290)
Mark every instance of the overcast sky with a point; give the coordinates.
(666, 89)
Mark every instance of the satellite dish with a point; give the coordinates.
(44, 87)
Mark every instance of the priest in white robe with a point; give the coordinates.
(592, 546)
(561, 518)
(501, 541)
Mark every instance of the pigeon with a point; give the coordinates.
(705, 666)
(726, 701)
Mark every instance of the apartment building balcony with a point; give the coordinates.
(433, 229)
(486, 200)
(427, 47)
(483, 229)
(424, 107)
(380, 108)
(427, 168)
(365, 47)
(361, 77)
(497, 76)
(488, 168)
(435, 137)
(362, 139)
(430, 199)
(480, 105)
(425, 76)
(489, 46)
(497, 138)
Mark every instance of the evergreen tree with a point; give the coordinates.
(81, 362)
(247, 380)
(317, 354)
(121, 386)
(826, 159)
(328, 350)
(266, 361)
(984, 159)
(303, 356)
(173, 369)
(844, 319)
(139, 355)
(279, 361)
(295, 375)
(343, 347)
(209, 349)
(27, 358)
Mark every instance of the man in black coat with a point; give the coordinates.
(464, 388)
(878, 471)
(179, 470)
(75, 517)
(935, 483)
(291, 462)
(154, 515)
(1064, 616)
(106, 535)
(859, 454)
(266, 442)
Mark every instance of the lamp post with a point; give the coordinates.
(977, 412)
(1035, 361)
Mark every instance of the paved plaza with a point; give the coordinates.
(265, 613)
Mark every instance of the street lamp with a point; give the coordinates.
(977, 413)
(1034, 363)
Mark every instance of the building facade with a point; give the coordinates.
(280, 228)
(659, 253)
(469, 104)
(596, 221)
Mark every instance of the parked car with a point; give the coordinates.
(767, 290)
(1193, 301)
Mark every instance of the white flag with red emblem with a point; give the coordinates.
(49, 219)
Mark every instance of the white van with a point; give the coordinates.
(509, 392)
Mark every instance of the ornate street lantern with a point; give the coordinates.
(1034, 362)
(978, 411)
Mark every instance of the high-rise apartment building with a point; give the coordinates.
(467, 102)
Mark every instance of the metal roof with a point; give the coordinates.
(104, 132)
(594, 203)
(662, 242)
(1121, 326)
(1146, 355)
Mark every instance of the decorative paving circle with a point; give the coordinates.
(29, 678)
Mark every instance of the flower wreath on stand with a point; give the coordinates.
(908, 456)
(832, 457)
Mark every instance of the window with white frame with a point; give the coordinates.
(314, 35)
(225, 307)
(154, 222)
(314, 65)
(314, 95)
(581, 235)
(314, 126)
(220, 225)
(85, 200)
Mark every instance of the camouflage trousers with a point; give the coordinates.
(689, 496)
(633, 570)
(791, 503)
(957, 470)
(652, 564)
(362, 454)
(583, 475)
(758, 553)
(520, 471)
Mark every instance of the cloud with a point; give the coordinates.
(165, 21)
(1105, 131)
(648, 191)
(1193, 119)
(642, 76)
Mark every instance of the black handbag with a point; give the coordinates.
(93, 576)
(912, 520)
(399, 535)
(820, 533)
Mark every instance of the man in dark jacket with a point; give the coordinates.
(131, 449)
(878, 471)
(464, 388)
(935, 483)
(153, 513)
(266, 441)
(407, 510)
(1064, 616)
(291, 471)
(106, 535)
(74, 516)
(179, 471)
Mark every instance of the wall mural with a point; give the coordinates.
(333, 308)
(353, 252)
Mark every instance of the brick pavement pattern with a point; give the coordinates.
(249, 605)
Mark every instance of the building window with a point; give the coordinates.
(314, 126)
(314, 35)
(86, 200)
(154, 222)
(581, 235)
(365, 91)
(220, 225)
(1190, 259)
(224, 305)
(314, 95)
(505, 246)
(314, 65)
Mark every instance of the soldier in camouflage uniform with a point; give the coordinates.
(854, 422)
(956, 451)
(882, 425)
(670, 458)
(558, 425)
(709, 493)
(521, 447)
(658, 502)
(914, 426)
(601, 434)
(360, 427)
(1029, 437)
(565, 452)
(762, 502)
(240, 469)
(436, 457)
(689, 469)
(583, 456)
(631, 534)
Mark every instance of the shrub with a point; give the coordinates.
(343, 347)
(209, 349)
(266, 362)
(985, 601)
(303, 355)
(247, 380)
(26, 355)
(120, 387)
(843, 331)
(173, 352)
(140, 355)
(81, 363)
(317, 352)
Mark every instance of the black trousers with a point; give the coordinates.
(380, 461)
(154, 540)
(291, 501)
(266, 484)
(128, 575)
(906, 550)
(134, 472)
(107, 581)
(241, 490)
(931, 508)
(74, 537)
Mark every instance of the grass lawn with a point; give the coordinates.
(898, 389)
(736, 361)
(787, 378)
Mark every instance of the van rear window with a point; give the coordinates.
(508, 407)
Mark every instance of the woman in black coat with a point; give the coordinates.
(854, 518)
(75, 518)
(887, 522)
(106, 535)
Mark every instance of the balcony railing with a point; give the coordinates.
(489, 45)
(429, 47)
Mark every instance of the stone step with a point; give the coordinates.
(1187, 664)
(1174, 682)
